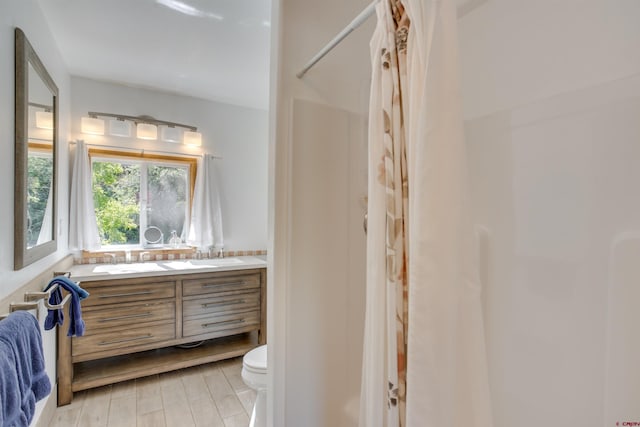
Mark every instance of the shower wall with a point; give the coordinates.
(318, 184)
(552, 105)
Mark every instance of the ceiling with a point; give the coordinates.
(211, 49)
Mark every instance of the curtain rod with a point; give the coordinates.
(360, 19)
(142, 150)
(357, 21)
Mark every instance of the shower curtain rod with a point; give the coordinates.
(357, 21)
(360, 19)
(142, 150)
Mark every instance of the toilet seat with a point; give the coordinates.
(254, 368)
(254, 374)
(255, 361)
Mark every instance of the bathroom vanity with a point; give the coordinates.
(144, 319)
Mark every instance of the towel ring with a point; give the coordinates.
(32, 300)
(36, 296)
(20, 306)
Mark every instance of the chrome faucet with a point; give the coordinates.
(213, 254)
(142, 254)
(113, 257)
(127, 256)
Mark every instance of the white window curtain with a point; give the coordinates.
(205, 229)
(46, 230)
(83, 227)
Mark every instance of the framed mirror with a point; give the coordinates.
(36, 138)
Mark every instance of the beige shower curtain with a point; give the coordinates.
(424, 361)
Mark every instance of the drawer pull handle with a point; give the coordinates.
(130, 316)
(211, 285)
(222, 304)
(129, 294)
(228, 322)
(141, 337)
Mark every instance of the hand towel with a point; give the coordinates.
(23, 380)
(69, 285)
(56, 317)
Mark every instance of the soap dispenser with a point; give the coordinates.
(174, 240)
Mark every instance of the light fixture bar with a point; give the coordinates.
(142, 119)
(47, 108)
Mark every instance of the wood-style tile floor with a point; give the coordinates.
(208, 395)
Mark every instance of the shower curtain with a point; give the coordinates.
(424, 361)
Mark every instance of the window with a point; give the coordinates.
(133, 192)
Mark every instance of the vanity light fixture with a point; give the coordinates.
(44, 120)
(119, 128)
(92, 125)
(170, 133)
(146, 128)
(146, 131)
(192, 138)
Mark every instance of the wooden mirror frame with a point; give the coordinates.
(25, 56)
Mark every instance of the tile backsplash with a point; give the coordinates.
(155, 255)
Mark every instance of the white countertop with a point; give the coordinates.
(88, 272)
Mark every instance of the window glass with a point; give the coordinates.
(132, 195)
(40, 172)
(167, 199)
(116, 197)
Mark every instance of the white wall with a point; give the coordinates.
(239, 135)
(318, 180)
(552, 101)
(26, 14)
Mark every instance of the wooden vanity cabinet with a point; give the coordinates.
(144, 326)
(217, 306)
(124, 316)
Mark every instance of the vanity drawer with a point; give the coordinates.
(102, 293)
(220, 283)
(221, 325)
(215, 304)
(123, 338)
(128, 314)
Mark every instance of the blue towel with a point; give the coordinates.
(10, 399)
(69, 285)
(56, 317)
(23, 379)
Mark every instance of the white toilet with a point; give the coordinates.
(254, 374)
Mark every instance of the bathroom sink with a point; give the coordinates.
(218, 262)
(183, 265)
(128, 268)
(202, 263)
